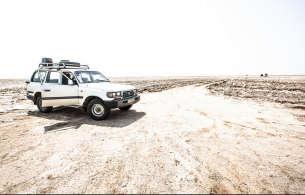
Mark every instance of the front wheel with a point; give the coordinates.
(40, 108)
(97, 110)
(125, 108)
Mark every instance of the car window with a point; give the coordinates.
(53, 77)
(38, 76)
(84, 77)
(97, 77)
(90, 77)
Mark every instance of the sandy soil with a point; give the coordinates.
(175, 141)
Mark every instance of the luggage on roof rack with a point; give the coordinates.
(47, 63)
(67, 62)
(46, 60)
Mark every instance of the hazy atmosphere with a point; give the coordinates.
(141, 38)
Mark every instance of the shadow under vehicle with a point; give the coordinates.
(74, 118)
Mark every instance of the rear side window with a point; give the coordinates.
(53, 77)
(38, 76)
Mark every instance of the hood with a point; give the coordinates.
(108, 86)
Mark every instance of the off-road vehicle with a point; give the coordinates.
(69, 83)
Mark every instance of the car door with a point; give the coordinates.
(56, 93)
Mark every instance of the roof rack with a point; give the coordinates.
(47, 63)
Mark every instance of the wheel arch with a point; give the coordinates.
(89, 98)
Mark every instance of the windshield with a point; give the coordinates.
(90, 77)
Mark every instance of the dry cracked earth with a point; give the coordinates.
(184, 136)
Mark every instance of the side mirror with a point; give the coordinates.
(27, 81)
(75, 82)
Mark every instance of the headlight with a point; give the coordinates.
(114, 94)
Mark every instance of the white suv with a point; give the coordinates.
(71, 84)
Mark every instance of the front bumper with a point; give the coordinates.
(122, 103)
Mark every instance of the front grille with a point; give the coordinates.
(128, 94)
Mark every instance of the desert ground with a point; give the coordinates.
(186, 135)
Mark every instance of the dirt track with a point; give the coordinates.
(178, 140)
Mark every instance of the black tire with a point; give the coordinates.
(97, 110)
(40, 108)
(125, 108)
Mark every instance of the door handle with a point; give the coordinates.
(47, 90)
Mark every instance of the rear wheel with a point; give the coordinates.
(97, 110)
(125, 108)
(40, 108)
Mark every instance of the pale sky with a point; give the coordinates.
(150, 38)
